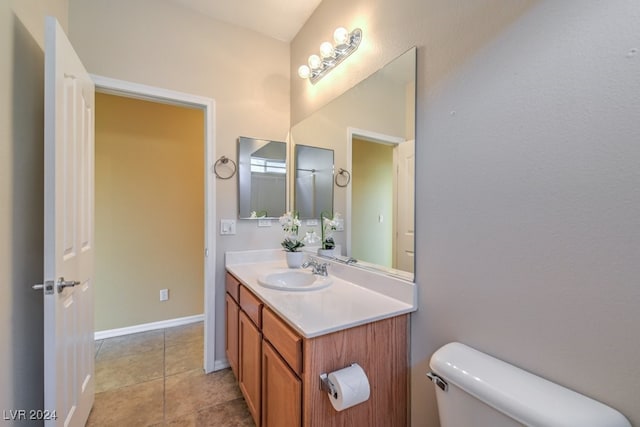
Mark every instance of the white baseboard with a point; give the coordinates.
(110, 333)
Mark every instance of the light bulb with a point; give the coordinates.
(326, 50)
(304, 71)
(314, 62)
(341, 36)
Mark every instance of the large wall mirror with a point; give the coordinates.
(262, 178)
(371, 129)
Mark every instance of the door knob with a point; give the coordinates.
(61, 284)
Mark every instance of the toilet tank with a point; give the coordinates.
(483, 391)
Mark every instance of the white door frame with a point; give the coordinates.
(156, 94)
(353, 132)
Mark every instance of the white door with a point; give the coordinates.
(405, 169)
(68, 233)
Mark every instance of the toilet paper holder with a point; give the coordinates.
(327, 386)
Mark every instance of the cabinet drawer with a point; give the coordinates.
(284, 339)
(251, 305)
(233, 287)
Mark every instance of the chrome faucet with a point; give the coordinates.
(316, 267)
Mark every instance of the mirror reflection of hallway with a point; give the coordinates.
(372, 202)
(383, 202)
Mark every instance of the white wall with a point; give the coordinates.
(528, 209)
(159, 43)
(21, 199)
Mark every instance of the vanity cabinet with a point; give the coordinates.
(250, 373)
(231, 337)
(278, 369)
(281, 391)
(232, 310)
(244, 342)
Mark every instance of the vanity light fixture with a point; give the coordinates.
(345, 43)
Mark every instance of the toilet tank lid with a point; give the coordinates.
(525, 397)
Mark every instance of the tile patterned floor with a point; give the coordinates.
(156, 379)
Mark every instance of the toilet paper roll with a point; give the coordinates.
(350, 387)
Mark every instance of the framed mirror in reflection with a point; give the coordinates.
(371, 128)
(313, 181)
(262, 178)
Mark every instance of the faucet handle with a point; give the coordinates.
(309, 263)
(322, 268)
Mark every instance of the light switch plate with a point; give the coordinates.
(227, 227)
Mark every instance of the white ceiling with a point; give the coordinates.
(280, 19)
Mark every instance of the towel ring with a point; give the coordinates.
(344, 173)
(223, 161)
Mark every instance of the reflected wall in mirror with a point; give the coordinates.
(262, 178)
(313, 181)
(371, 128)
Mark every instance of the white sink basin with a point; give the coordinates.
(294, 280)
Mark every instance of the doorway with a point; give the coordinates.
(380, 199)
(372, 215)
(204, 108)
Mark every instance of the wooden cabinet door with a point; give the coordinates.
(281, 391)
(231, 339)
(250, 349)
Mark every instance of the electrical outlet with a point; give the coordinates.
(312, 222)
(164, 294)
(264, 223)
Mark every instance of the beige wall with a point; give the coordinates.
(21, 198)
(149, 211)
(159, 43)
(526, 177)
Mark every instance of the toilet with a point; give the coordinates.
(474, 389)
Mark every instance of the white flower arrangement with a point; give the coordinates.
(256, 215)
(290, 224)
(328, 226)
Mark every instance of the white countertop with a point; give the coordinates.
(354, 298)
